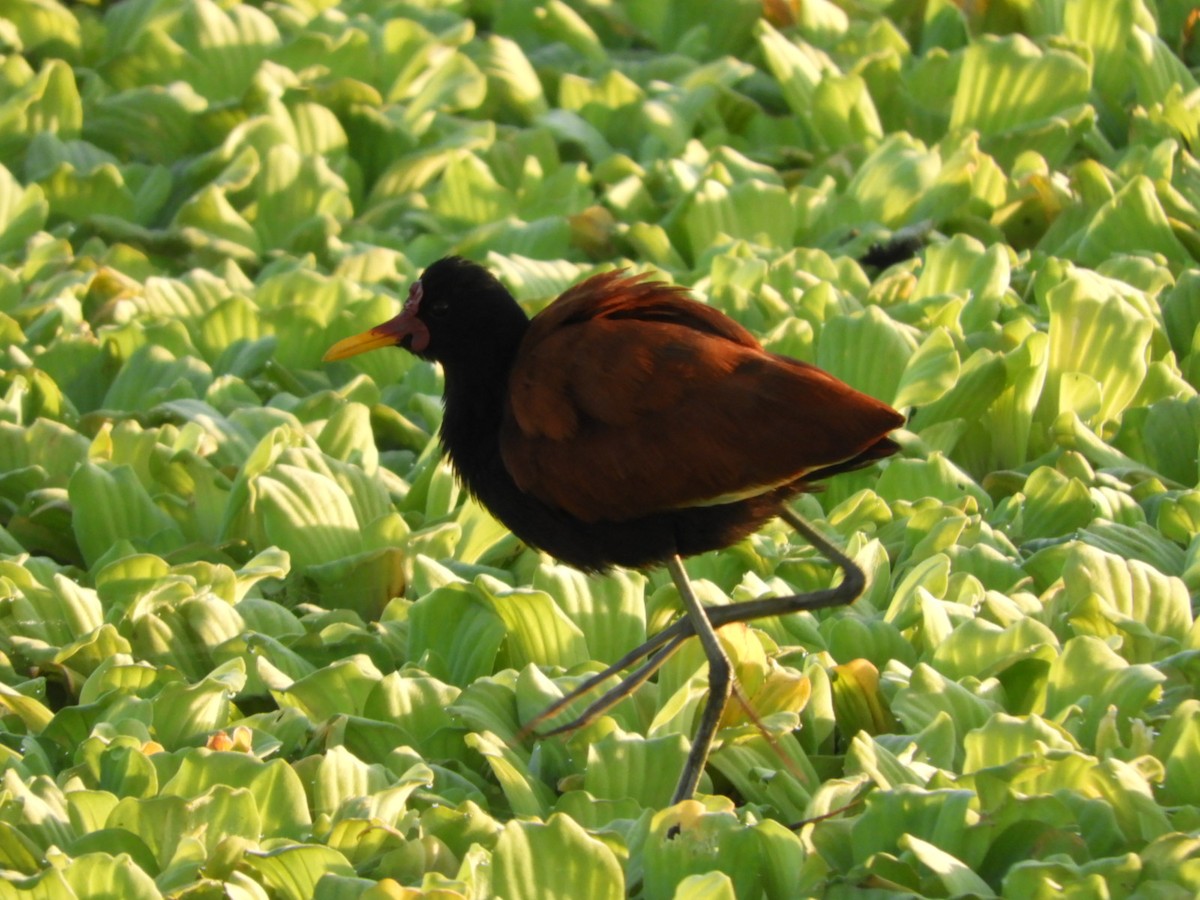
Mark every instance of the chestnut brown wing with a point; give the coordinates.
(622, 409)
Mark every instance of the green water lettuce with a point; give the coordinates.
(256, 639)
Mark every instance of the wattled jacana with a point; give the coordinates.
(627, 424)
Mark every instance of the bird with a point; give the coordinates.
(629, 424)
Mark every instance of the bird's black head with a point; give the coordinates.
(457, 313)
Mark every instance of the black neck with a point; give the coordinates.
(475, 400)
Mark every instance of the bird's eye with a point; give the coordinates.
(439, 308)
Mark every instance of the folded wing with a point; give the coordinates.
(628, 399)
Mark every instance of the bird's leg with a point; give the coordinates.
(704, 621)
(613, 695)
(720, 682)
(660, 647)
(843, 594)
(672, 636)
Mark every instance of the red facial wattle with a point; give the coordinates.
(405, 330)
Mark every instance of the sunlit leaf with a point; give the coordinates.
(587, 867)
